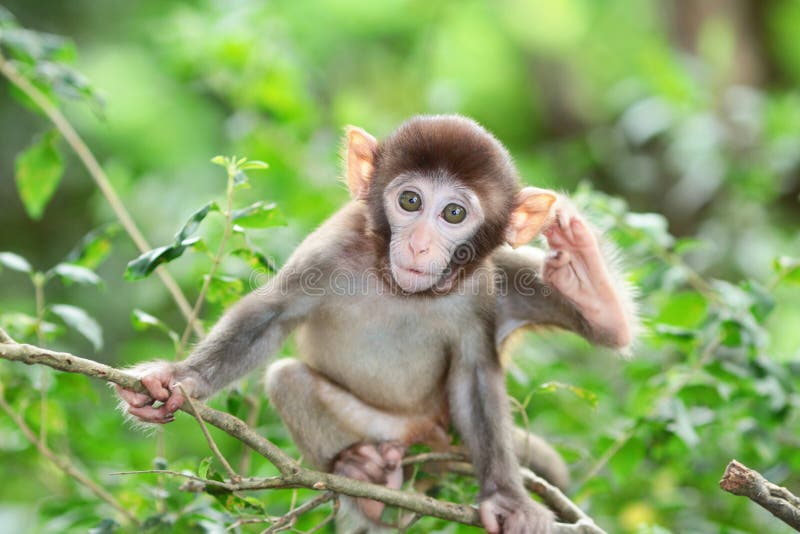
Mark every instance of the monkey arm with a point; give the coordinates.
(245, 336)
(575, 287)
(481, 414)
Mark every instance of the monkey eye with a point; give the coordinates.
(410, 201)
(453, 213)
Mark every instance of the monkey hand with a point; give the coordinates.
(161, 380)
(504, 513)
(379, 463)
(577, 268)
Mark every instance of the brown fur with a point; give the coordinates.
(461, 148)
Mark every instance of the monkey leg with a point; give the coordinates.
(338, 432)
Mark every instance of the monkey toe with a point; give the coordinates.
(362, 462)
(392, 453)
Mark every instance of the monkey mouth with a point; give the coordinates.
(412, 280)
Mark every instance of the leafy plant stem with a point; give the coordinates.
(99, 176)
(63, 463)
(39, 281)
(198, 305)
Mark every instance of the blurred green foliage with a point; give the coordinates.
(687, 110)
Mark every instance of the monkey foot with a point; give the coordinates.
(379, 463)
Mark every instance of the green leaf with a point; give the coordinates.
(681, 423)
(234, 402)
(160, 463)
(239, 179)
(585, 394)
(205, 465)
(7, 19)
(106, 526)
(77, 274)
(254, 165)
(15, 262)
(23, 326)
(38, 172)
(220, 160)
(93, 248)
(255, 258)
(674, 332)
(147, 262)
(193, 223)
(259, 215)
(144, 321)
(653, 225)
(788, 269)
(224, 289)
(77, 319)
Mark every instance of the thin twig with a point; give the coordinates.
(254, 405)
(331, 516)
(290, 518)
(63, 463)
(5, 338)
(38, 286)
(202, 481)
(779, 501)
(99, 176)
(211, 443)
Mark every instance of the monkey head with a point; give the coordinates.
(442, 194)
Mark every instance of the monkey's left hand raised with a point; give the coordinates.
(576, 267)
(515, 514)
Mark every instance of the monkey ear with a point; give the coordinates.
(531, 213)
(360, 157)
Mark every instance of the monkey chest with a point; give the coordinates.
(393, 354)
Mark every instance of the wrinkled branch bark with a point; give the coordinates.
(292, 473)
(780, 502)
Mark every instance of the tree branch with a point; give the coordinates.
(780, 502)
(293, 475)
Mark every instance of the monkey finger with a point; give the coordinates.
(175, 400)
(558, 258)
(134, 399)
(489, 518)
(155, 386)
(583, 237)
(149, 414)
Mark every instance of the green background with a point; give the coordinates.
(687, 110)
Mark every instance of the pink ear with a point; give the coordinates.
(361, 148)
(530, 215)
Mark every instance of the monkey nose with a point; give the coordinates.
(417, 249)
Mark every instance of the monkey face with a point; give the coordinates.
(430, 216)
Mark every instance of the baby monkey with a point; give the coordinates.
(395, 301)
